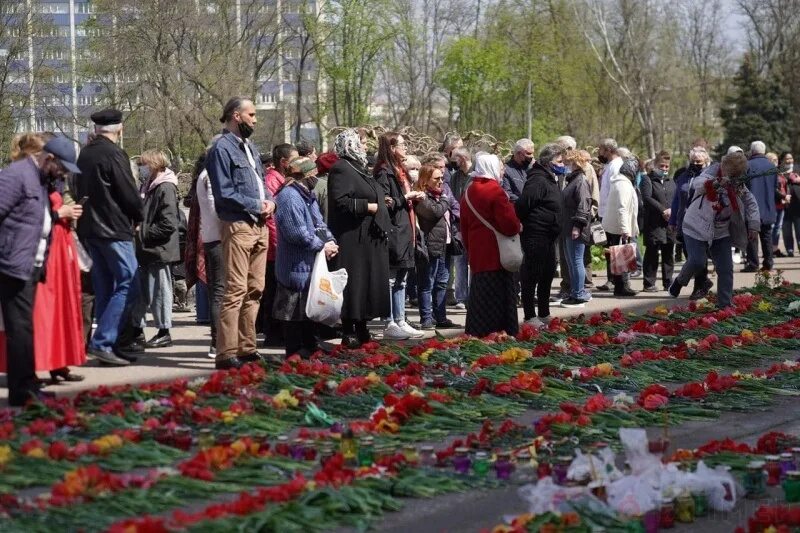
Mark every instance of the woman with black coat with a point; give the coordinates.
(400, 200)
(539, 209)
(435, 222)
(658, 190)
(157, 247)
(575, 234)
(360, 222)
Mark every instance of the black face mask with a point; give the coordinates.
(245, 130)
(603, 159)
(527, 162)
(695, 168)
(311, 182)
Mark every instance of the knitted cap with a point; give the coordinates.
(303, 166)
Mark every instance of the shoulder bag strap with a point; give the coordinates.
(483, 220)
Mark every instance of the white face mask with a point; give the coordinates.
(413, 175)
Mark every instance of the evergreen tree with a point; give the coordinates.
(757, 110)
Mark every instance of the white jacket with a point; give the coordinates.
(610, 171)
(622, 208)
(209, 221)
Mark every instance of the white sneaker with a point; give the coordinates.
(212, 352)
(737, 258)
(535, 322)
(394, 332)
(405, 327)
(461, 306)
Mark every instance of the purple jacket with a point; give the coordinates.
(22, 206)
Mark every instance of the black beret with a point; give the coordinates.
(107, 117)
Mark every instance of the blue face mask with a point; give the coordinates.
(144, 173)
(660, 173)
(558, 170)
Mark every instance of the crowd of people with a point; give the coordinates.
(95, 239)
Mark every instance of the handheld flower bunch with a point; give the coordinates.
(720, 186)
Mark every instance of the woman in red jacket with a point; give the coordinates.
(492, 295)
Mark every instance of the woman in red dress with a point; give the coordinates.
(57, 312)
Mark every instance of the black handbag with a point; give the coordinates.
(456, 244)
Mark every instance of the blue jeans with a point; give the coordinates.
(432, 287)
(397, 292)
(776, 229)
(462, 278)
(697, 258)
(114, 279)
(573, 252)
(155, 286)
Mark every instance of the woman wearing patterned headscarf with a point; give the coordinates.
(359, 219)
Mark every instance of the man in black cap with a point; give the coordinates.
(111, 214)
(25, 223)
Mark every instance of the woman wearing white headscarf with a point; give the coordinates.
(360, 222)
(492, 295)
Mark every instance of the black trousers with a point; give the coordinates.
(16, 298)
(765, 236)
(271, 328)
(651, 261)
(357, 328)
(87, 305)
(215, 280)
(536, 277)
(299, 337)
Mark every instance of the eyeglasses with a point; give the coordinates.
(401, 144)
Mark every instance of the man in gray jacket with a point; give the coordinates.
(516, 171)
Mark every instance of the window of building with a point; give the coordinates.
(267, 98)
(86, 100)
(54, 8)
(84, 8)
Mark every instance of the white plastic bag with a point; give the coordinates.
(545, 496)
(719, 486)
(634, 495)
(600, 468)
(325, 294)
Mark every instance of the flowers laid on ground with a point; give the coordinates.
(294, 438)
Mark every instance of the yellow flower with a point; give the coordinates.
(763, 305)
(238, 447)
(771, 529)
(5, 454)
(38, 453)
(387, 426)
(661, 310)
(604, 369)
(107, 443)
(311, 485)
(373, 378)
(190, 394)
(514, 355)
(284, 398)
(228, 416)
(425, 355)
(748, 335)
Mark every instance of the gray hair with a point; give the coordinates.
(433, 157)
(450, 140)
(609, 144)
(624, 153)
(108, 128)
(523, 144)
(549, 152)
(461, 152)
(758, 147)
(567, 142)
(412, 161)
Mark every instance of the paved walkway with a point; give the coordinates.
(187, 357)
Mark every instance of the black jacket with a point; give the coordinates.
(401, 235)
(657, 194)
(577, 206)
(158, 237)
(114, 206)
(433, 223)
(540, 206)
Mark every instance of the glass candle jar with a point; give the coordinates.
(349, 447)
(481, 464)
(503, 466)
(560, 469)
(684, 508)
(310, 451)
(410, 453)
(325, 455)
(650, 521)
(205, 439)
(700, 503)
(667, 514)
(796, 455)
(754, 485)
(791, 487)
(183, 438)
(787, 464)
(297, 449)
(224, 439)
(543, 470)
(366, 452)
(461, 460)
(282, 446)
(773, 469)
(427, 456)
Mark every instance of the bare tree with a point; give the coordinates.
(628, 38)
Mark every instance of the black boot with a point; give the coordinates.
(162, 339)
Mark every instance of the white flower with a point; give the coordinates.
(794, 306)
(622, 399)
(197, 383)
